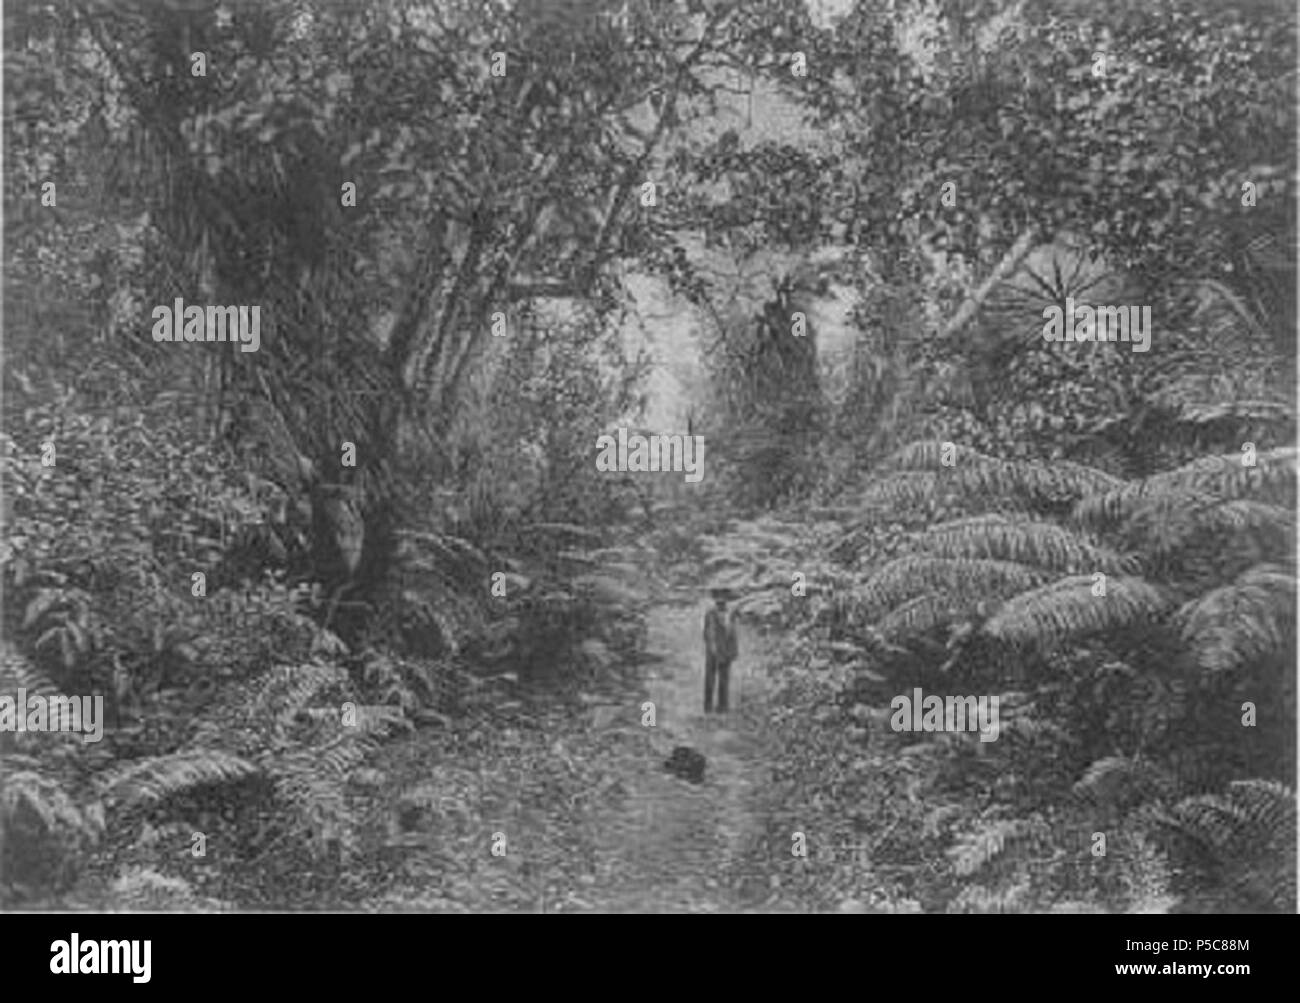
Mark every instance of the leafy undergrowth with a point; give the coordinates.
(573, 783)
(810, 801)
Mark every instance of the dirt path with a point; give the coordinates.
(629, 837)
(672, 845)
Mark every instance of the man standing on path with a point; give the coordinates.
(719, 650)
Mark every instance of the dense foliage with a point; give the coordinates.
(415, 585)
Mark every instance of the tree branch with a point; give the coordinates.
(411, 318)
(1009, 263)
(445, 366)
(477, 335)
(434, 355)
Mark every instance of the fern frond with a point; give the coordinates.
(1042, 544)
(1248, 514)
(1203, 412)
(974, 850)
(1027, 724)
(1147, 877)
(1049, 616)
(566, 529)
(1219, 477)
(312, 780)
(160, 777)
(50, 801)
(905, 490)
(974, 471)
(1236, 624)
(1259, 812)
(285, 690)
(611, 590)
(1165, 524)
(923, 613)
(977, 899)
(1251, 829)
(303, 775)
(18, 672)
(1075, 907)
(1121, 782)
(140, 888)
(378, 719)
(442, 553)
(903, 578)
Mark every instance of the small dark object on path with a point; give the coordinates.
(686, 763)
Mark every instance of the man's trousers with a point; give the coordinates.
(719, 669)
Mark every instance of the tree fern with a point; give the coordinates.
(1000, 559)
(1166, 543)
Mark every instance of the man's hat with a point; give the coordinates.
(718, 592)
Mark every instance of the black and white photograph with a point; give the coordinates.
(662, 457)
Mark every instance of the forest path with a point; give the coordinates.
(595, 823)
(670, 845)
(674, 846)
